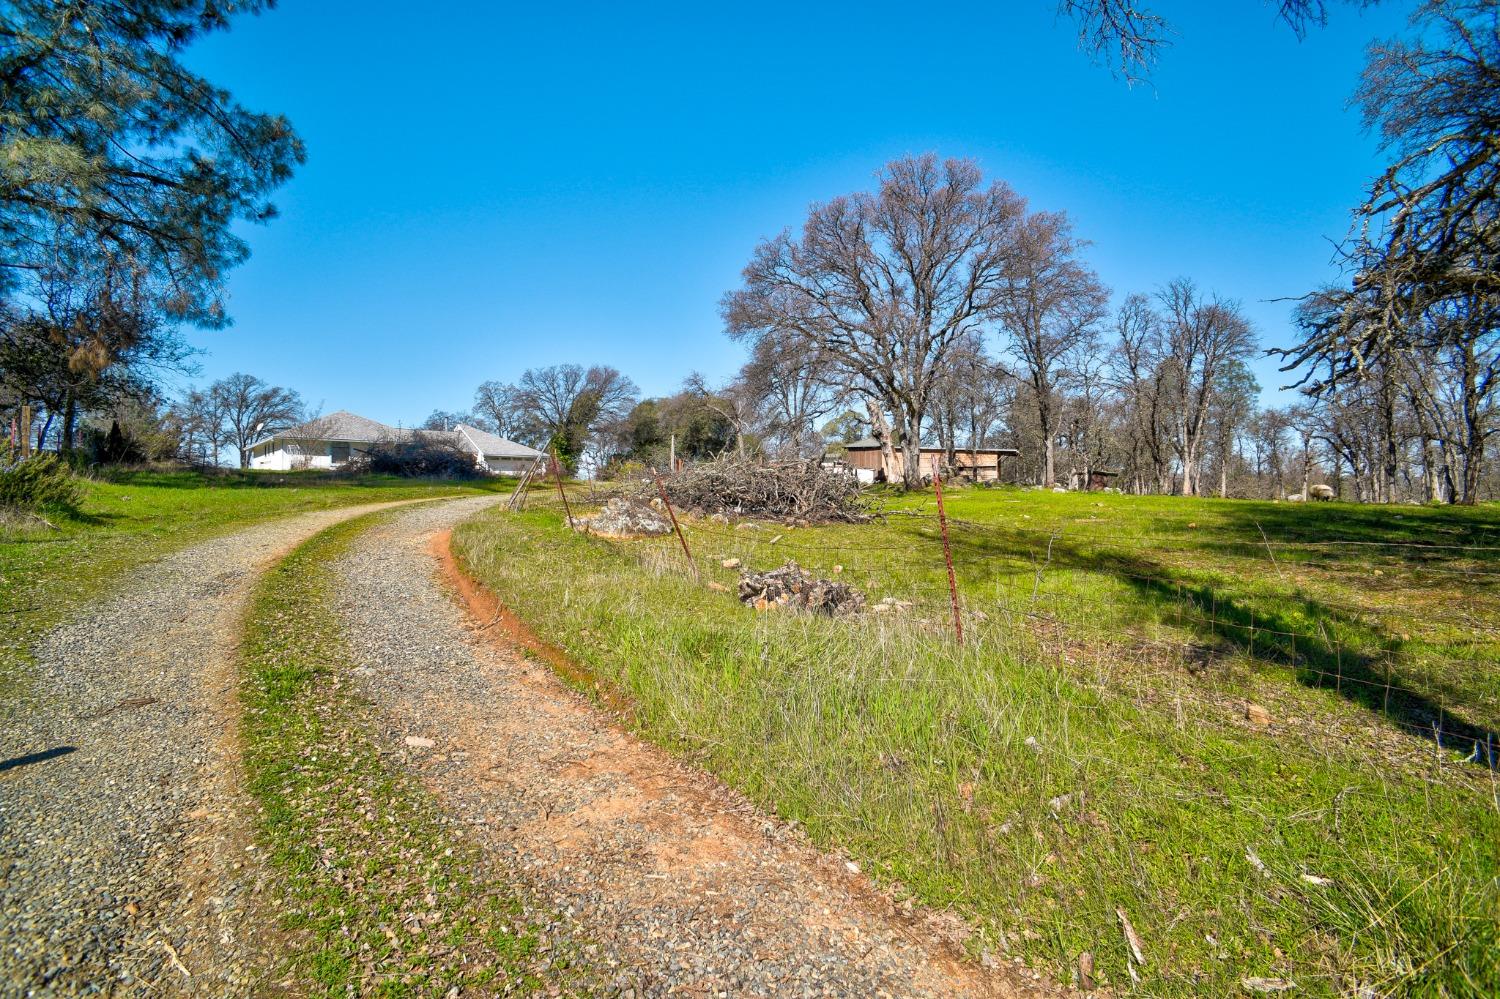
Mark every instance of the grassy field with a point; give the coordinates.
(381, 898)
(1087, 756)
(131, 518)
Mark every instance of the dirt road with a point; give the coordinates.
(680, 886)
(127, 865)
(125, 861)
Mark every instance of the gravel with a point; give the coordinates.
(667, 881)
(126, 864)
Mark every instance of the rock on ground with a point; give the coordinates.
(623, 518)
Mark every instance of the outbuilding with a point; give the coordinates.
(981, 464)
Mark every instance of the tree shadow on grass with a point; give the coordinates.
(225, 478)
(1298, 633)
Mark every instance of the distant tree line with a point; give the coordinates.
(1400, 362)
(936, 309)
(939, 309)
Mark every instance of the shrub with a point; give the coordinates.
(117, 447)
(419, 455)
(40, 481)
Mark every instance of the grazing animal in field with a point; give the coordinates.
(1320, 492)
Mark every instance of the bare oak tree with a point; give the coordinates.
(565, 407)
(1140, 383)
(1200, 338)
(1049, 304)
(1128, 36)
(969, 399)
(885, 283)
(737, 402)
(796, 386)
(253, 409)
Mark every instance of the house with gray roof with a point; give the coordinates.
(336, 439)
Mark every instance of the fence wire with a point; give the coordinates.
(1187, 617)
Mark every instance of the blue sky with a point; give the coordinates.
(493, 187)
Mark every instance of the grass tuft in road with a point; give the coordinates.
(1039, 796)
(382, 896)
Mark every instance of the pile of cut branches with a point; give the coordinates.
(791, 491)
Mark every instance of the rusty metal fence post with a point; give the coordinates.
(958, 621)
(557, 471)
(662, 491)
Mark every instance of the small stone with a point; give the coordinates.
(731, 563)
(1257, 715)
(418, 742)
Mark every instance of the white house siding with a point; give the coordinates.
(290, 455)
(272, 461)
(507, 466)
(312, 445)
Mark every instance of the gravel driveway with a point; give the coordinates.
(676, 885)
(125, 861)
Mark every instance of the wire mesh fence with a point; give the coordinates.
(1277, 732)
(1401, 630)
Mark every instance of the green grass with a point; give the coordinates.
(1356, 597)
(380, 897)
(132, 518)
(1125, 656)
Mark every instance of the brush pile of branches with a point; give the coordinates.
(796, 492)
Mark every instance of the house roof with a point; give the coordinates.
(340, 426)
(492, 446)
(871, 444)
